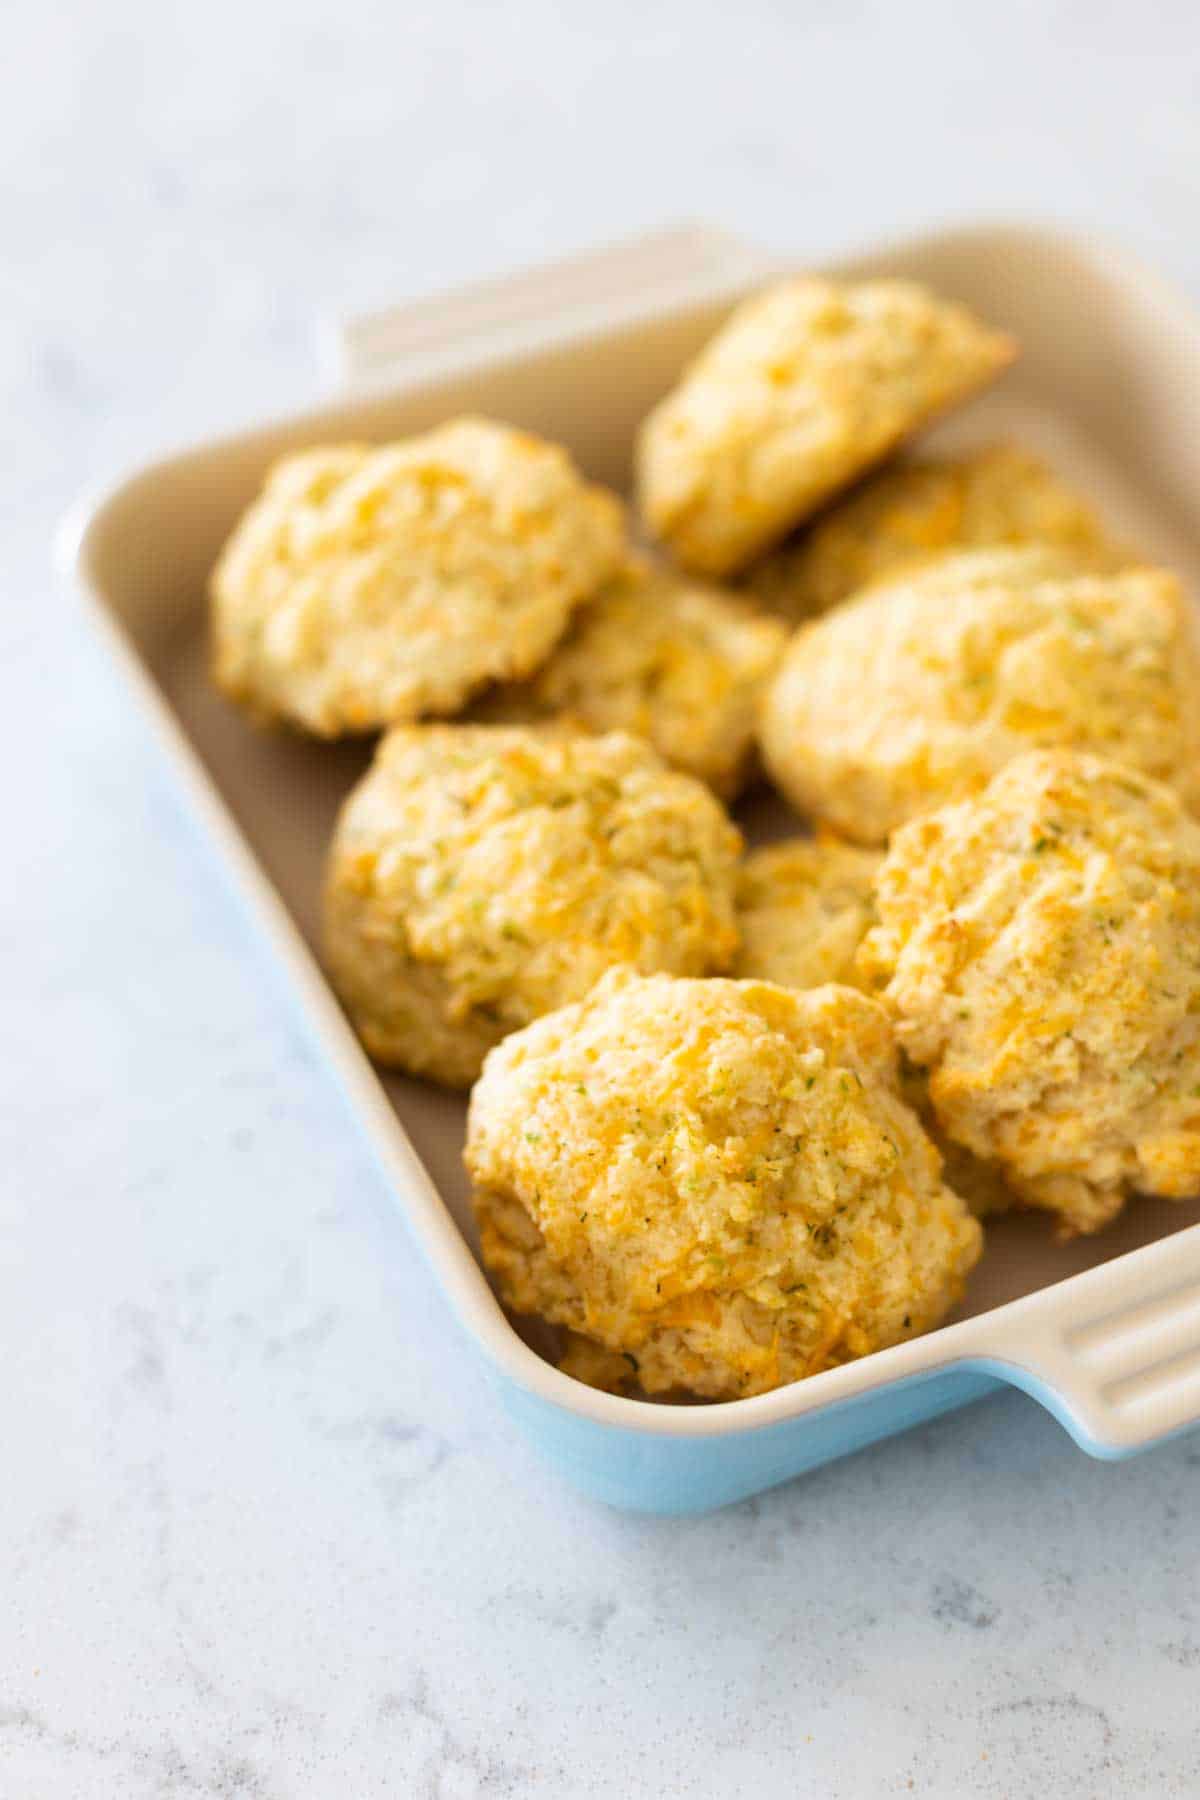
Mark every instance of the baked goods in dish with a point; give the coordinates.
(1038, 946)
(804, 388)
(481, 875)
(923, 688)
(804, 906)
(921, 508)
(977, 1181)
(369, 585)
(583, 1359)
(671, 659)
(717, 1179)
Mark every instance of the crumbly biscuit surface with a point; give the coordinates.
(371, 585)
(920, 690)
(676, 661)
(481, 875)
(717, 1179)
(1039, 948)
(922, 508)
(804, 907)
(802, 390)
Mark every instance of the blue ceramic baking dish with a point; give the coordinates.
(1104, 1332)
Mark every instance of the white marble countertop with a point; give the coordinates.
(264, 1532)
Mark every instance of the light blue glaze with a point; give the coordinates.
(649, 1473)
(645, 1472)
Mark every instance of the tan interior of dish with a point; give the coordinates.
(1108, 388)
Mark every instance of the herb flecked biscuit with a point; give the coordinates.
(803, 909)
(802, 390)
(368, 586)
(482, 875)
(1038, 946)
(679, 663)
(923, 508)
(976, 1180)
(585, 1360)
(718, 1179)
(918, 690)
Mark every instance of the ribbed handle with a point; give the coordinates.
(1114, 1353)
(660, 270)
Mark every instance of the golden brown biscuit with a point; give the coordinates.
(919, 690)
(371, 585)
(922, 508)
(803, 908)
(585, 1360)
(718, 1179)
(672, 660)
(977, 1181)
(1039, 948)
(481, 875)
(802, 390)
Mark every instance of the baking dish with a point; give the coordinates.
(1105, 1332)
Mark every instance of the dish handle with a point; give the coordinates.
(1114, 1354)
(661, 270)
